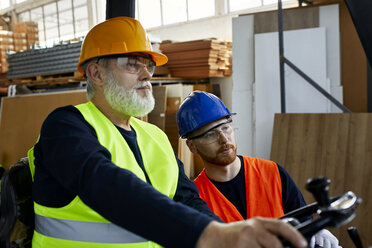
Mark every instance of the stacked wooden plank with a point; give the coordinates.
(6, 43)
(199, 59)
(30, 29)
(336, 146)
(20, 42)
(24, 35)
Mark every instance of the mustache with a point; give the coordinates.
(226, 146)
(142, 84)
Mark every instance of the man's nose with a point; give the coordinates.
(144, 74)
(222, 138)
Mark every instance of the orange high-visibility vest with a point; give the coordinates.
(263, 192)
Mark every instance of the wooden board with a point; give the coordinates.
(199, 59)
(21, 119)
(194, 54)
(157, 115)
(50, 79)
(204, 66)
(171, 130)
(193, 67)
(337, 146)
(297, 18)
(206, 60)
(354, 64)
(190, 45)
(185, 155)
(172, 104)
(197, 74)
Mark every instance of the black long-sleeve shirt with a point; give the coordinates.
(70, 162)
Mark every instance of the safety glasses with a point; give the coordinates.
(133, 64)
(213, 135)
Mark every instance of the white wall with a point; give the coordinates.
(243, 78)
(226, 85)
(213, 27)
(244, 98)
(218, 27)
(306, 48)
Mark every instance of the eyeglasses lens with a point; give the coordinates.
(134, 64)
(214, 134)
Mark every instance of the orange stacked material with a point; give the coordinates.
(20, 42)
(6, 43)
(199, 59)
(3, 60)
(30, 29)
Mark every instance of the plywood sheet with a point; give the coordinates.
(199, 59)
(172, 104)
(292, 19)
(190, 45)
(157, 115)
(194, 54)
(197, 73)
(185, 155)
(301, 97)
(22, 117)
(353, 64)
(171, 130)
(337, 146)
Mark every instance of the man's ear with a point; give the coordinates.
(94, 71)
(191, 146)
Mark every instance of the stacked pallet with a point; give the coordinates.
(30, 29)
(54, 60)
(6, 43)
(24, 35)
(199, 59)
(20, 42)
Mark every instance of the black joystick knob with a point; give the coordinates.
(353, 233)
(319, 187)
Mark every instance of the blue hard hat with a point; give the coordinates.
(198, 109)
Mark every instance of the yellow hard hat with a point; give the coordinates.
(119, 35)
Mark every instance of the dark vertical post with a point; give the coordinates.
(369, 88)
(360, 12)
(281, 56)
(116, 8)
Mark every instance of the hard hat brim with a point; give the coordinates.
(159, 59)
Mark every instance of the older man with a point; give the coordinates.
(103, 178)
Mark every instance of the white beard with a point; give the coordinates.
(128, 102)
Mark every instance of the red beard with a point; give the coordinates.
(221, 158)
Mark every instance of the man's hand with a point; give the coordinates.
(325, 239)
(252, 233)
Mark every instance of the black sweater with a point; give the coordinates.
(70, 162)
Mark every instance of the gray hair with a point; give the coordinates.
(91, 88)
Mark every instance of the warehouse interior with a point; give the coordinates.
(230, 48)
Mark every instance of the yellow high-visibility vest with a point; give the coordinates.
(76, 224)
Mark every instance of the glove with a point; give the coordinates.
(325, 239)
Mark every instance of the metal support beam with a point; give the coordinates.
(116, 8)
(316, 86)
(360, 12)
(283, 60)
(281, 57)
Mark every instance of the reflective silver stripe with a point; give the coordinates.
(84, 231)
